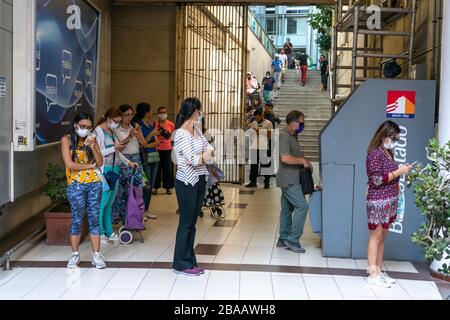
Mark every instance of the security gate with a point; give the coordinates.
(211, 65)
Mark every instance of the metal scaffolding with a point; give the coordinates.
(355, 20)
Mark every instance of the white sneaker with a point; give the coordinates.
(387, 278)
(74, 261)
(105, 240)
(98, 261)
(114, 237)
(151, 216)
(378, 281)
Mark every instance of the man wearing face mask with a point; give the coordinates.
(165, 167)
(259, 148)
(294, 206)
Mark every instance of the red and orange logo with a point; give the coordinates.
(401, 104)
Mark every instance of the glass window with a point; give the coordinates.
(291, 26)
(270, 26)
(302, 27)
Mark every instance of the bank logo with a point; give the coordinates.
(401, 104)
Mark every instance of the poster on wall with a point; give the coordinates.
(67, 34)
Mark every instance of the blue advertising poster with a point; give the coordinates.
(66, 65)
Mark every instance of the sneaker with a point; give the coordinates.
(193, 272)
(114, 237)
(387, 278)
(169, 192)
(155, 192)
(98, 261)
(201, 214)
(201, 270)
(281, 243)
(105, 240)
(74, 261)
(251, 185)
(151, 216)
(378, 281)
(295, 247)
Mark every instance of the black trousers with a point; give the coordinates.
(165, 168)
(254, 168)
(190, 201)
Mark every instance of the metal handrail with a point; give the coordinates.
(5, 258)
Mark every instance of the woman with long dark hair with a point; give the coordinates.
(382, 197)
(192, 152)
(82, 158)
(111, 149)
(143, 119)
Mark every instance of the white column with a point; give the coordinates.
(444, 104)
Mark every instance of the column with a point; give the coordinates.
(444, 104)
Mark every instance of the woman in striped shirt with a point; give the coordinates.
(192, 152)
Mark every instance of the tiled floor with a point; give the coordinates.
(243, 248)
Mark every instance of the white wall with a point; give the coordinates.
(259, 59)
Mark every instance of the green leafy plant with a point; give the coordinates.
(56, 187)
(432, 190)
(322, 22)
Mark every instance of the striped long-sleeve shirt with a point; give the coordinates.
(188, 150)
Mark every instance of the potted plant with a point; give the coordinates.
(432, 190)
(59, 218)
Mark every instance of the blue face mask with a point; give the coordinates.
(300, 129)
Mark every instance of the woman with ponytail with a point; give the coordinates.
(192, 152)
(82, 157)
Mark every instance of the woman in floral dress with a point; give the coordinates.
(382, 197)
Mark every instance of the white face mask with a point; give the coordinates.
(113, 125)
(391, 145)
(163, 116)
(82, 133)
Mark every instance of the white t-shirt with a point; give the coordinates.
(283, 59)
(259, 141)
(133, 146)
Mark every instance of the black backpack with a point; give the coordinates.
(392, 69)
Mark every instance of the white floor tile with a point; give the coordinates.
(321, 287)
(223, 281)
(230, 254)
(151, 295)
(127, 279)
(341, 263)
(189, 288)
(94, 278)
(259, 282)
(216, 235)
(81, 293)
(116, 294)
(394, 292)
(221, 296)
(257, 255)
(354, 287)
(420, 289)
(289, 288)
(6, 276)
(256, 296)
(400, 266)
(284, 262)
(158, 280)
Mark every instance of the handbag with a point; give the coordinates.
(153, 157)
(112, 177)
(143, 155)
(306, 180)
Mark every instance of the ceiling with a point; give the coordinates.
(252, 2)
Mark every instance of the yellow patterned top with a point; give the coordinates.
(81, 176)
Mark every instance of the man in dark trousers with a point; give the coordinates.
(288, 51)
(303, 58)
(324, 72)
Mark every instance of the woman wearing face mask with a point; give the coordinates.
(82, 156)
(192, 152)
(131, 136)
(165, 167)
(143, 119)
(382, 197)
(111, 148)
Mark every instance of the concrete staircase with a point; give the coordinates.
(315, 104)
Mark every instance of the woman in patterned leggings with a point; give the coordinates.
(382, 197)
(82, 157)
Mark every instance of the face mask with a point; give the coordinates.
(300, 129)
(391, 145)
(113, 125)
(82, 133)
(162, 116)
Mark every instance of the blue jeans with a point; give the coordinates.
(150, 170)
(84, 198)
(294, 209)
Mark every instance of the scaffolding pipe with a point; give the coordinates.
(411, 40)
(355, 46)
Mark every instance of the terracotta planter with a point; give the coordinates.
(58, 227)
